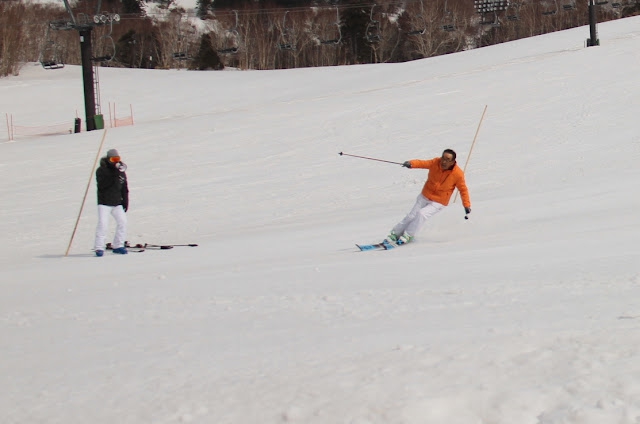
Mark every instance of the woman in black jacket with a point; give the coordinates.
(113, 199)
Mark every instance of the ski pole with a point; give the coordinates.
(169, 246)
(364, 157)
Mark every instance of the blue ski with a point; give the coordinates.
(366, 247)
(384, 245)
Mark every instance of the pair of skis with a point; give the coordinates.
(139, 247)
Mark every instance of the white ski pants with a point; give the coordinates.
(120, 216)
(420, 213)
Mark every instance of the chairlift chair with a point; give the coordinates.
(110, 52)
(550, 12)
(448, 27)
(181, 52)
(417, 31)
(494, 22)
(372, 33)
(49, 57)
(107, 56)
(61, 25)
(338, 40)
(84, 19)
(49, 54)
(235, 35)
(513, 11)
(285, 35)
(51, 65)
(333, 42)
(422, 29)
(447, 20)
(228, 50)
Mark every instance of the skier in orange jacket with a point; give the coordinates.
(444, 176)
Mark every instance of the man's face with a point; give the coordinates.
(446, 161)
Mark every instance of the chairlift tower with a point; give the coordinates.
(593, 33)
(85, 25)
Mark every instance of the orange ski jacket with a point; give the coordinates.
(440, 184)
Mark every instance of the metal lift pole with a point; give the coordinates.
(593, 40)
(87, 77)
(86, 54)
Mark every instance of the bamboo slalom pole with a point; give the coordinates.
(471, 149)
(84, 199)
(9, 125)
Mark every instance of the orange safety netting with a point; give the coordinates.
(55, 129)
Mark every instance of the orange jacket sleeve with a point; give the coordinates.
(461, 185)
(426, 164)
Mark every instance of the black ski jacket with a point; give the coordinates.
(112, 185)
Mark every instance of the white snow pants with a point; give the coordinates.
(120, 216)
(420, 213)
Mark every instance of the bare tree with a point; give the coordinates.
(10, 37)
(264, 35)
(260, 41)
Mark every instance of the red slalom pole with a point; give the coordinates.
(364, 157)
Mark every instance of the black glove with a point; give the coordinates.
(467, 210)
(125, 207)
(407, 164)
